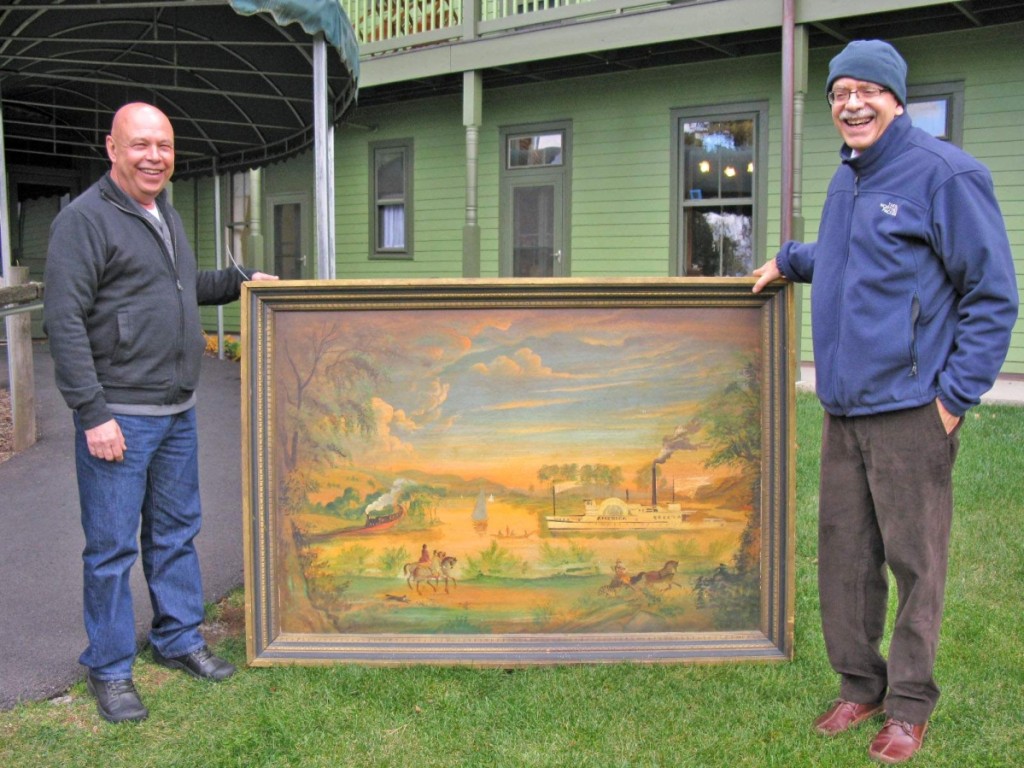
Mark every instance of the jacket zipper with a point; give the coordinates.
(160, 241)
(915, 315)
(181, 309)
(842, 282)
(172, 262)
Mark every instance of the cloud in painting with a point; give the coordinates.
(524, 363)
(530, 404)
(388, 421)
(432, 398)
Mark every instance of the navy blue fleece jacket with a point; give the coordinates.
(914, 293)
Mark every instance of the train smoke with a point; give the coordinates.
(389, 498)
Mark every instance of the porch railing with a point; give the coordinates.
(388, 25)
(377, 20)
(491, 10)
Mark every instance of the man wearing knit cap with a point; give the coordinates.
(913, 305)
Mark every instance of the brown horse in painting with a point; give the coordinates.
(665, 575)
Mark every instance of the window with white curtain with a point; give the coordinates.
(391, 199)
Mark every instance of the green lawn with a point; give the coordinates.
(728, 715)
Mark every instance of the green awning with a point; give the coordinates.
(325, 16)
(234, 76)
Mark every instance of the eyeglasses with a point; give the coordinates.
(842, 95)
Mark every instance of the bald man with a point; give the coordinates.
(122, 314)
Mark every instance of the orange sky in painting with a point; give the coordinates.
(497, 393)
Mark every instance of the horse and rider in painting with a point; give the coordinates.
(439, 567)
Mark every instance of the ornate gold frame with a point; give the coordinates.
(266, 306)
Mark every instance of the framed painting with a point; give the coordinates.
(497, 472)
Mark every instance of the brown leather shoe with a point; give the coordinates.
(897, 742)
(844, 715)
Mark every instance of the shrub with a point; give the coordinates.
(232, 346)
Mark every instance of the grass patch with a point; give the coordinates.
(603, 716)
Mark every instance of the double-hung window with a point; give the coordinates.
(391, 199)
(717, 190)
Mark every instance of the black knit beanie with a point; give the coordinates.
(873, 61)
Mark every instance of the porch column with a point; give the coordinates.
(801, 48)
(18, 328)
(5, 232)
(323, 153)
(255, 245)
(218, 250)
(19, 366)
(472, 112)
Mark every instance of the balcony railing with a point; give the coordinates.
(377, 20)
(491, 10)
(388, 25)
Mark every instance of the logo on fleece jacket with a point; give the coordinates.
(890, 208)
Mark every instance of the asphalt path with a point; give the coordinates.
(41, 633)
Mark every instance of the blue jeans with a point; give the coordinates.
(152, 498)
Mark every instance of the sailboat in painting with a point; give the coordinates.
(479, 516)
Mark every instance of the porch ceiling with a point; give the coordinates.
(930, 19)
(237, 88)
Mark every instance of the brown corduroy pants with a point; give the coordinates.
(886, 501)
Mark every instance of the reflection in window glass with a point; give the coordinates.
(390, 173)
(717, 196)
(288, 241)
(543, 149)
(533, 235)
(932, 116)
(718, 159)
(390, 196)
(719, 240)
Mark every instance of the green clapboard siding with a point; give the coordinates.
(620, 185)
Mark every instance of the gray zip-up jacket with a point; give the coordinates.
(121, 314)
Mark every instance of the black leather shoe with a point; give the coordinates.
(117, 700)
(200, 663)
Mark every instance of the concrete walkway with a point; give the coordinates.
(41, 634)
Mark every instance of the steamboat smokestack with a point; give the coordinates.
(654, 485)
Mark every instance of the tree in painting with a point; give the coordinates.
(325, 382)
(733, 427)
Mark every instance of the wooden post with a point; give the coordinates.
(323, 162)
(19, 364)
